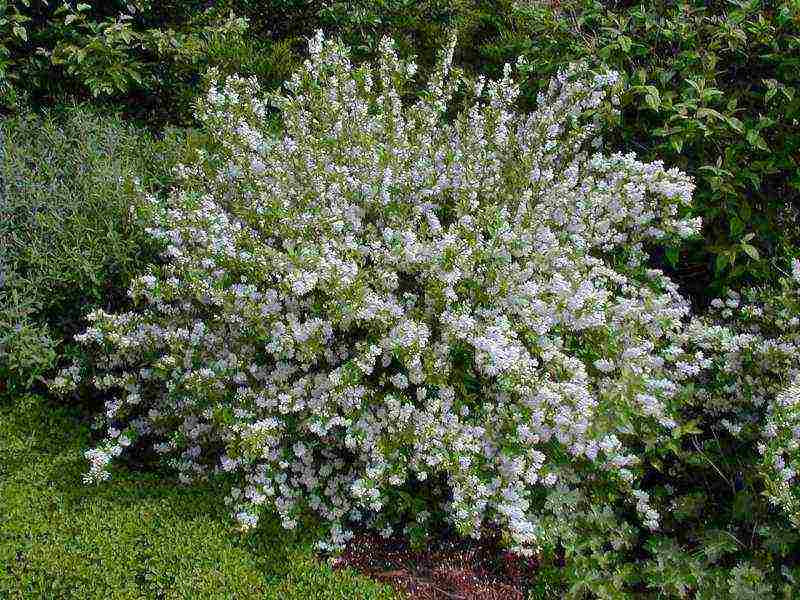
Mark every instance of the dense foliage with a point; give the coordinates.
(710, 86)
(394, 318)
(143, 57)
(68, 240)
(139, 537)
(411, 298)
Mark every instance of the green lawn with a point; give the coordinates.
(137, 535)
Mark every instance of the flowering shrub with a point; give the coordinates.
(386, 315)
(752, 389)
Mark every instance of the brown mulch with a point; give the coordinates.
(452, 569)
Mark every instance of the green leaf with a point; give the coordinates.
(689, 428)
(21, 33)
(745, 212)
(652, 97)
(696, 84)
(709, 112)
(734, 123)
(751, 251)
(720, 263)
(755, 140)
(672, 256)
(737, 227)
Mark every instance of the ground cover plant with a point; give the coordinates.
(141, 537)
(396, 318)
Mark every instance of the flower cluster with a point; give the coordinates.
(781, 451)
(751, 388)
(385, 315)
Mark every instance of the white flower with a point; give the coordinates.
(303, 282)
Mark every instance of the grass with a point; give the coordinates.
(138, 535)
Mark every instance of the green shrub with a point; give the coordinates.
(145, 58)
(68, 238)
(27, 349)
